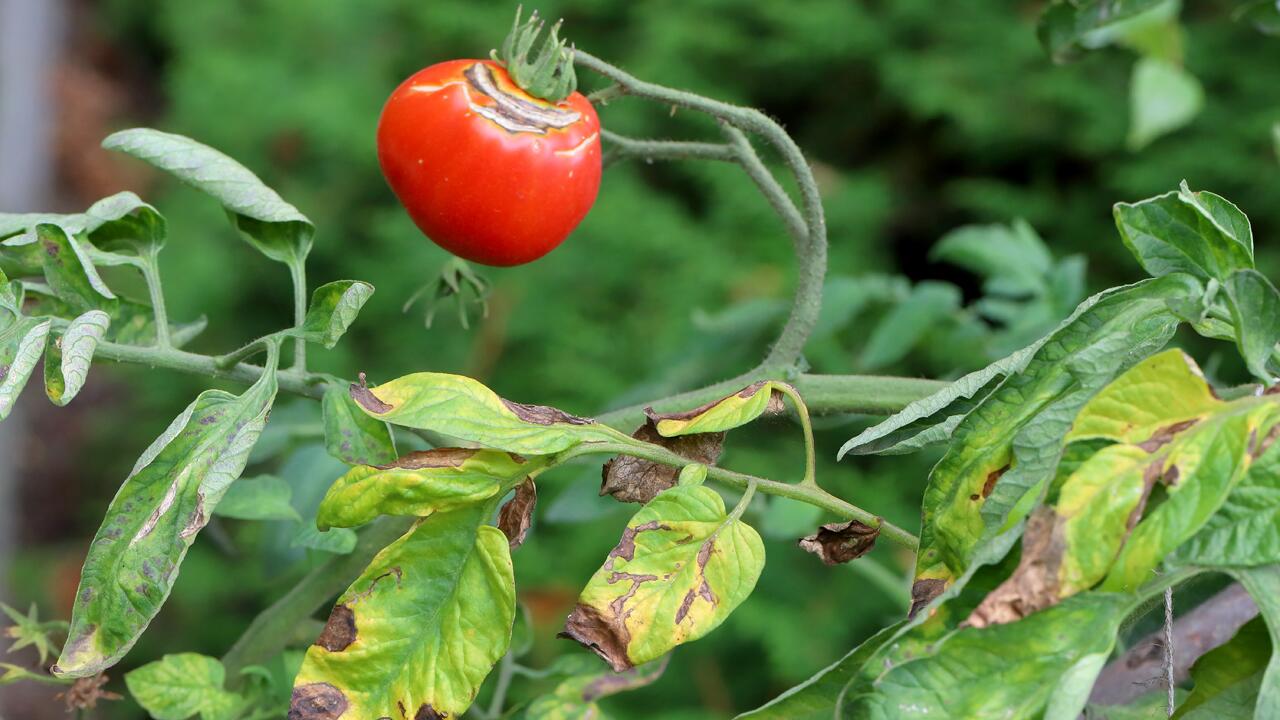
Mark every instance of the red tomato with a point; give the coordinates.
(487, 171)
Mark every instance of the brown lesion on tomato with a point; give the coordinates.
(516, 516)
(923, 592)
(703, 590)
(317, 701)
(340, 632)
(631, 479)
(365, 398)
(426, 712)
(774, 407)
(543, 414)
(513, 113)
(428, 459)
(1034, 584)
(1165, 435)
(992, 478)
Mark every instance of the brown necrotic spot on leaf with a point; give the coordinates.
(365, 398)
(626, 547)
(340, 631)
(196, 520)
(992, 478)
(516, 515)
(543, 415)
(839, 543)
(1257, 448)
(632, 479)
(607, 637)
(425, 459)
(923, 592)
(1034, 584)
(1165, 435)
(774, 406)
(704, 588)
(317, 701)
(426, 712)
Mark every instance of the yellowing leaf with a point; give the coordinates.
(1163, 390)
(179, 686)
(419, 630)
(421, 483)
(681, 567)
(726, 413)
(463, 408)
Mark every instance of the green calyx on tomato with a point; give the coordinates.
(549, 76)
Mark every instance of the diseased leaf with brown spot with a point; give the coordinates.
(1034, 585)
(575, 698)
(633, 479)
(727, 413)
(516, 515)
(428, 619)
(421, 483)
(134, 558)
(463, 408)
(837, 543)
(352, 436)
(681, 567)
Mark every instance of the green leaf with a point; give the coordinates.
(1065, 27)
(20, 348)
(931, 420)
(1240, 660)
(270, 224)
(1263, 15)
(1005, 451)
(167, 498)
(465, 409)
(419, 629)
(68, 357)
(421, 483)
(819, 697)
(352, 436)
(338, 541)
(1042, 666)
(727, 413)
(1245, 531)
(681, 567)
(1255, 314)
(177, 687)
(261, 498)
(119, 220)
(1263, 584)
(1183, 231)
(334, 306)
(1163, 97)
(1012, 256)
(70, 273)
(908, 322)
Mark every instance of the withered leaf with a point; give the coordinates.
(923, 591)
(632, 479)
(1034, 584)
(516, 515)
(839, 543)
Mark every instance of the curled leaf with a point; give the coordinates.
(516, 515)
(465, 409)
(681, 566)
(334, 306)
(20, 348)
(67, 360)
(837, 543)
(420, 483)
(727, 413)
(632, 479)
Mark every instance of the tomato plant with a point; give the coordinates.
(1083, 477)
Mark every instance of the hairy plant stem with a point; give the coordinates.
(270, 630)
(150, 268)
(298, 273)
(812, 262)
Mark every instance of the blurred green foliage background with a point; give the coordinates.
(920, 117)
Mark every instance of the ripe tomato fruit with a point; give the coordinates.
(487, 171)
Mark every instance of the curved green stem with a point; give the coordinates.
(810, 457)
(813, 260)
(150, 268)
(298, 273)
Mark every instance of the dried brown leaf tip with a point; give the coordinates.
(543, 414)
(516, 516)
(340, 631)
(1033, 585)
(435, 458)
(317, 701)
(365, 398)
(631, 479)
(923, 592)
(839, 543)
(606, 637)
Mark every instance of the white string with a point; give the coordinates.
(1168, 648)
